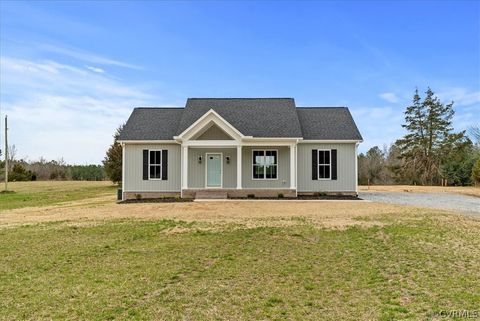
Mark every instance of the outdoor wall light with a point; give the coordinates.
(227, 158)
(199, 159)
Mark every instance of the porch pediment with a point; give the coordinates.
(212, 132)
(211, 125)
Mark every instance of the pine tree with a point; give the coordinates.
(113, 159)
(429, 140)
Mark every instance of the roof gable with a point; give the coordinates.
(257, 117)
(205, 121)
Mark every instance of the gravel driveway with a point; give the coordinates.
(445, 201)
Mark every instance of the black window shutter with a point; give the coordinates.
(164, 165)
(145, 164)
(314, 164)
(334, 164)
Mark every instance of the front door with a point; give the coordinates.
(214, 170)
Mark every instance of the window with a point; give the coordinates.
(265, 164)
(155, 164)
(324, 164)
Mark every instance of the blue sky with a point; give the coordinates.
(72, 71)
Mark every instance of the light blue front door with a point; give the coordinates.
(214, 170)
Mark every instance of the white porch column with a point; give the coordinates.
(293, 167)
(184, 167)
(239, 167)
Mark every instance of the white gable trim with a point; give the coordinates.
(210, 117)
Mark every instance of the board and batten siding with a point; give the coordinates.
(283, 168)
(133, 181)
(346, 173)
(197, 171)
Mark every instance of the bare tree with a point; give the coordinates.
(12, 154)
(474, 131)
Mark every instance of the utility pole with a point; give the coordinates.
(6, 154)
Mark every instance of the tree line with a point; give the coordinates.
(430, 153)
(24, 170)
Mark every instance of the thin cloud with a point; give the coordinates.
(50, 76)
(460, 96)
(95, 69)
(85, 56)
(390, 97)
(374, 120)
(58, 110)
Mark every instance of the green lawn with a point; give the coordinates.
(27, 194)
(140, 270)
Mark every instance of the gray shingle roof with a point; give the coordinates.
(327, 123)
(152, 124)
(257, 117)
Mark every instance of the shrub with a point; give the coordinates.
(113, 159)
(251, 196)
(19, 173)
(280, 195)
(87, 172)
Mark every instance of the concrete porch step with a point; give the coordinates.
(214, 194)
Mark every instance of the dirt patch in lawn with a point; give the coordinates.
(328, 214)
(465, 190)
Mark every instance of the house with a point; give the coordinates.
(237, 147)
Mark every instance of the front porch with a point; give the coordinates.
(216, 156)
(212, 167)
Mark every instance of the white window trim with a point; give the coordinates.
(206, 170)
(265, 172)
(329, 164)
(149, 164)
